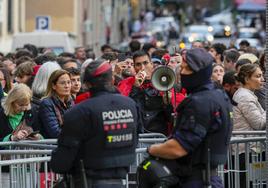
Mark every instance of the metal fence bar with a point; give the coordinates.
(250, 133)
(152, 140)
(243, 140)
(28, 152)
(152, 135)
(25, 161)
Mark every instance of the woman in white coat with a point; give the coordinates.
(248, 113)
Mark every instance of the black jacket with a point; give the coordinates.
(102, 131)
(50, 114)
(156, 115)
(5, 126)
(204, 121)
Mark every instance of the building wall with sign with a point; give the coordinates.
(88, 20)
(61, 12)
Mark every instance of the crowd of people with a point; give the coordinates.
(38, 89)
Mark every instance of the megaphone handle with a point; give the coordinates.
(174, 106)
(174, 119)
(167, 98)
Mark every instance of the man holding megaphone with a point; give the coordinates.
(155, 110)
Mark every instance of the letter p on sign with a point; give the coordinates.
(42, 22)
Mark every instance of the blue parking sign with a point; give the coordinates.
(42, 22)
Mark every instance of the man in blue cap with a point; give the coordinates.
(201, 136)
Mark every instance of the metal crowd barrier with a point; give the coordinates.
(27, 161)
(246, 165)
(24, 164)
(26, 169)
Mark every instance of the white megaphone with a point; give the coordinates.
(163, 78)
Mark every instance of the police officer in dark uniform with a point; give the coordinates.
(201, 136)
(99, 136)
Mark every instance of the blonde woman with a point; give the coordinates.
(57, 100)
(15, 115)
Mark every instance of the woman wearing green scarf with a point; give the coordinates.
(15, 115)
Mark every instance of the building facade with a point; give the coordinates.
(90, 21)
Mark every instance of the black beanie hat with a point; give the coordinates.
(198, 59)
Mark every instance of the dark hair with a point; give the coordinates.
(122, 57)
(229, 78)
(110, 56)
(246, 71)
(41, 59)
(67, 54)
(217, 64)
(23, 52)
(73, 71)
(140, 53)
(103, 47)
(244, 43)
(90, 54)
(63, 61)
(158, 53)
(134, 46)
(117, 51)
(219, 48)
(10, 56)
(23, 59)
(147, 46)
(102, 79)
(253, 50)
(31, 48)
(25, 68)
(231, 55)
(7, 78)
(241, 62)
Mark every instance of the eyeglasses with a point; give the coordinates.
(63, 83)
(139, 64)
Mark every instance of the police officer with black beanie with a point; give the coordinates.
(200, 139)
(99, 136)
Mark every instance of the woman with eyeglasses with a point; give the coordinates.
(57, 100)
(15, 115)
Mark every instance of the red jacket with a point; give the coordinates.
(125, 87)
(82, 97)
